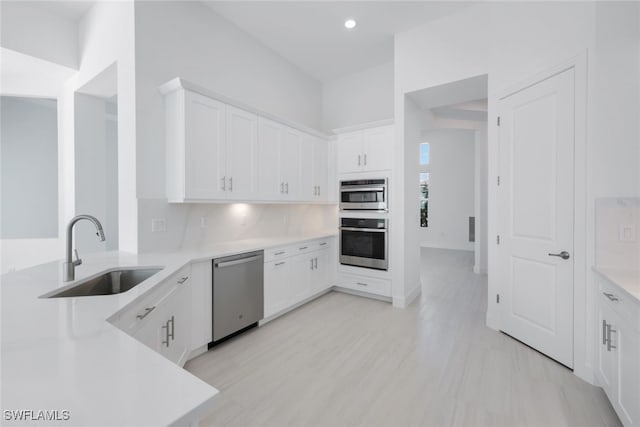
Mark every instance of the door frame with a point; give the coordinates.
(583, 313)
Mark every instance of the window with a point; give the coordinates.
(424, 184)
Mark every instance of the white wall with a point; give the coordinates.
(362, 97)
(96, 170)
(106, 37)
(31, 29)
(451, 189)
(204, 48)
(512, 42)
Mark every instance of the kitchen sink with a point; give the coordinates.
(108, 283)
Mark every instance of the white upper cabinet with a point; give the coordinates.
(218, 152)
(290, 168)
(240, 181)
(270, 135)
(366, 150)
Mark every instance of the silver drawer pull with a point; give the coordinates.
(604, 332)
(323, 243)
(611, 297)
(280, 263)
(146, 313)
(183, 279)
(279, 253)
(303, 248)
(361, 284)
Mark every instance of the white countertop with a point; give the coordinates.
(62, 354)
(627, 280)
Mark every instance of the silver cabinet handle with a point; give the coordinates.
(166, 334)
(365, 159)
(282, 188)
(609, 331)
(318, 190)
(224, 183)
(280, 263)
(323, 243)
(315, 263)
(286, 185)
(563, 255)
(237, 261)
(358, 159)
(279, 253)
(303, 248)
(173, 328)
(604, 332)
(146, 312)
(182, 280)
(611, 297)
(231, 184)
(311, 263)
(361, 284)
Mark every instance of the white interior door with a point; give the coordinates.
(536, 199)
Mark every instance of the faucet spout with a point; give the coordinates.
(69, 265)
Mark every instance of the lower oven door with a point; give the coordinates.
(364, 247)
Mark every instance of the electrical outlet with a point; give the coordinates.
(158, 225)
(627, 232)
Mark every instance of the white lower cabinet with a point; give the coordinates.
(618, 364)
(162, 320)
(294, 278)
(369, 285)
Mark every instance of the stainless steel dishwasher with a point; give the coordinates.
(238, 293)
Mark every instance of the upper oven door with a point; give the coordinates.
(363, 197)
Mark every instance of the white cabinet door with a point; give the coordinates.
(307, 168)
(320, 279)
(377, 148)
(201, 303)
(204, 147)
(300, 278)
(176, 332)
(627, 354)
(270, 135)
(290, 163)
(149, 332)
(606, 361)
(242, 150)
(350, 152)
(277, 286)
(320, 169)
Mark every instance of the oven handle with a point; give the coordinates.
(361, 189)
(373, 230)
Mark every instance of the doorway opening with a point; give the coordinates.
(451, 152)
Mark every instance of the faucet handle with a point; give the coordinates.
(77, 261)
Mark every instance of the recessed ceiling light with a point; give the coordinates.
(350, 24)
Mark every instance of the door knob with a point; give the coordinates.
(563, 255)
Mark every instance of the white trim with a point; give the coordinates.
(479, 270)
(582, 314)
(180, 83)
(338, 288)
(363, 126)
(404, 302)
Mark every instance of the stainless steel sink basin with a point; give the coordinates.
(108, 283)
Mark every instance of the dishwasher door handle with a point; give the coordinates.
(237, 261)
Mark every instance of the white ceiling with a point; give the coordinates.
(311, 34)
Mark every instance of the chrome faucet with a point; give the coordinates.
(69, 266)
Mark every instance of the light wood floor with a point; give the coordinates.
(343, 360)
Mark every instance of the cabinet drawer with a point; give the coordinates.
(365, 284)
(619, 301)
(133, 316)
(278, 253)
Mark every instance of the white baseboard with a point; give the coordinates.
(293, 307)
(478, 270)
(403, 302)
(360, 293)
(197, 352)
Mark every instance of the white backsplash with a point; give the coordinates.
(192, 226)
(618, 233)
